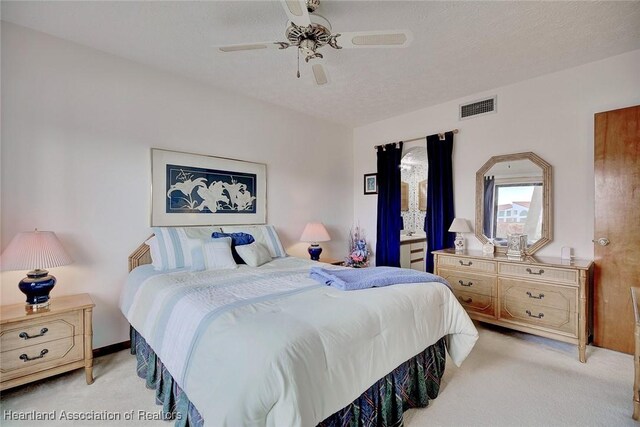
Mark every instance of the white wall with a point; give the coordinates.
(551, 115)
(77, 127)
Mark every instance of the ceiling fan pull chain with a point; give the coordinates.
(298, 62)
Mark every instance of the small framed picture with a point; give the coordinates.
(371, 183)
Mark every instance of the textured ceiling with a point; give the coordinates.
(459, 48)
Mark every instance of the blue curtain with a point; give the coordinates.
(389, 217)
(440, 211)
(489, 183)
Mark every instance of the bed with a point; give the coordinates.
(268, 346)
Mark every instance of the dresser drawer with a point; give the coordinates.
(463, 281)
(417, 246)
(538, 294)
(40, 330)
(35, 358)
(566, 276)
(476, 303)
(538, 316)
(464, 264)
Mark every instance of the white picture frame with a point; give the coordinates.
(192, 189)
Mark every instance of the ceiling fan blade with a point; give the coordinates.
(389, 38)
(320, 74)
(297, 12)
(253, 46)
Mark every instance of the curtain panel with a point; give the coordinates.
(389, 216)
(440, 213)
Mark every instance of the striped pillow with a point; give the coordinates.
(173, 247)
(265, 234)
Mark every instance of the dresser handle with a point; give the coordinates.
(465, 284)
(26, 358)
(26, 336)
(539, 316)
(466, 301)
(540, 296)
(466, 265)
(538, 273)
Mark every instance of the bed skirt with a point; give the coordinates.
(410, 385)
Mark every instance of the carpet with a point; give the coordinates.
(510, 379)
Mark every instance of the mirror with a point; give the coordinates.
(513, 196)
(413, 171)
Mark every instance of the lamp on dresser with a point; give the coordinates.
(35, 251)
(313, 233)
(459, 226)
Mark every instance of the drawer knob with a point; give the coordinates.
(467, 264)
(538, 316)
(540, 296)
(26, 358)
(538, 273)
(26, 336)
(465, 284)
(466, 301)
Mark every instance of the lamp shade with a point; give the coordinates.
(30, 250)
(315, 232)
(459, 225)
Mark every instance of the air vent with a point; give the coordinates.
(477, 108)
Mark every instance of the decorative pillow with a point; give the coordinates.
(173, 248)
(201, 233)
(213, 255)
(265, 234)
(237, 239)
(254, 254)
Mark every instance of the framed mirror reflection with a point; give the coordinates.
(513, 197)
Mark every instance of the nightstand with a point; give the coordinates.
(332, 261)
(44, 343)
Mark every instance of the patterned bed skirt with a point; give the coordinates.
(410, 385)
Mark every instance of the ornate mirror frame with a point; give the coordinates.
(547, 226)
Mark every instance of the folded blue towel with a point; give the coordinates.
(350, 279)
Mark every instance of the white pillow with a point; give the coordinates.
(265, 234)
(154, 250)
(213, 254)
(254, 254)
(173, 247)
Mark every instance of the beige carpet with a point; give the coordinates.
(510, 379)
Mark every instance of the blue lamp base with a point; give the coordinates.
(36, 286)
(314, 251)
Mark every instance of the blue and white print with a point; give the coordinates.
(198, 190)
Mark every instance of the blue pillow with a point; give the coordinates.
(237, 239)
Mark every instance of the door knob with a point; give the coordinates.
(603, 241)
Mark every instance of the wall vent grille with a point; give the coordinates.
(477, 108)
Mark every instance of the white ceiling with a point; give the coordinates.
(459, 48)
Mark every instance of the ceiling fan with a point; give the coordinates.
(310, 32)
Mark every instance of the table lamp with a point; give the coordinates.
(459, 226)
(315, 232)
(35, 251)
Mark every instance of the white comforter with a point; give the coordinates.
(269, 346)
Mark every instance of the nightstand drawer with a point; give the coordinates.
(464, 264)
(35, 358)
(559, 275)
(471, 282)
(482, 304)
(40, 330)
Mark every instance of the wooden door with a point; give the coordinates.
(617, 219)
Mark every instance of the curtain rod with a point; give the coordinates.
(440, 135)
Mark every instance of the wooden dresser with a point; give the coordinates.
(48, 342)
(540, 295)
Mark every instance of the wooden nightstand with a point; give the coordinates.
(45, 343)
(332, 261)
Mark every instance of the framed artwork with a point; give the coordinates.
(371, 183)
(193, 189)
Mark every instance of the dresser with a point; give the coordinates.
(412, 250)
(544, 296)
(45, 343)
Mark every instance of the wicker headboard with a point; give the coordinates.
(141, 256)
